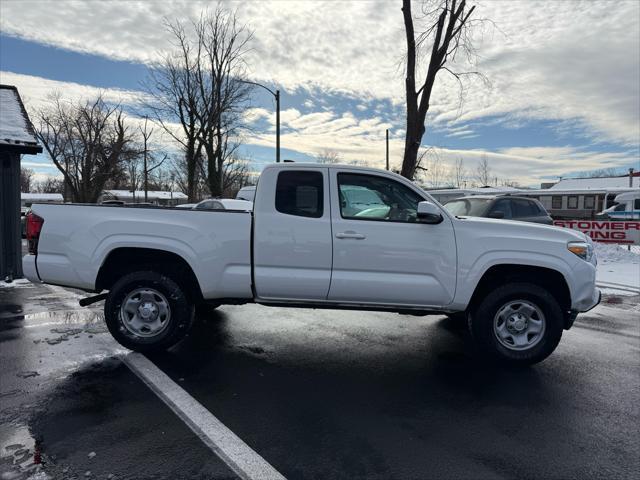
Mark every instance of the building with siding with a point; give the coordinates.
(17, 138)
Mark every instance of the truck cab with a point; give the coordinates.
(311, 245)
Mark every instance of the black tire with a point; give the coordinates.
(179, 320)
(205, 309)
(481, 323)
(458, 317)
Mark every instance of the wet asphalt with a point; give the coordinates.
(318, 393)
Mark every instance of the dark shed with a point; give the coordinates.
(17, 138)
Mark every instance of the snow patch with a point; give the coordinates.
(618, 270)
(20, 282)
(13, 125)
(611, 253)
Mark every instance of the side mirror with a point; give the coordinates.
(428, 213)
(496, 214)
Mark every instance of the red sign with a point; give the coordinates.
(605, 231)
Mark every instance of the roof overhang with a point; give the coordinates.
(21, 148)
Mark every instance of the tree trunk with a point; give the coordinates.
(191, 172)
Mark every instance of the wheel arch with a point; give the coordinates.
(123, 260)
(551, 280)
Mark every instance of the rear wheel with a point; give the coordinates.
(519, 323)
(146, 311)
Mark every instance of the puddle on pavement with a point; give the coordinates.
(91, 321)
(20, 455)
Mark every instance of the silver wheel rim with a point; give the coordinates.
(145, 312)
(519, 325)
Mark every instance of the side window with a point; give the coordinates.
(589, 202)
(540, 208)
(204, 206)
(369, 197)
(572, 201)
(300, 193)
(556, 202)
(216, 206)
(636, 204)
(524, 208)
(503, 206)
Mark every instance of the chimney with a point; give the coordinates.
(631, 177)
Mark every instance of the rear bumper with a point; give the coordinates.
(29, 269)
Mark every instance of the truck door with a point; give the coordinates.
(381, 252)
(292, 246)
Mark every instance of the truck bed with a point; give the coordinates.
(215, 243)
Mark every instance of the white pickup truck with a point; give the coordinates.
(319, 236)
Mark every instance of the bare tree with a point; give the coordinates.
(49, 185)
(236, 175)
(507, 182)
(434, 167)
(26, 178)
(220, 69)
(483, 172)
(173, 89)
(328, 155)
(87, 141)
(199, 85)
(459, 173)
(449, 33)
(606, 172)
(149, 160)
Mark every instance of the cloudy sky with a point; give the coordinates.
(563, 90)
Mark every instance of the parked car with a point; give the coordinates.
(518, 285)
(246, 193)
(186, 205)
(627, 207)
(224, 204)
(506, 207)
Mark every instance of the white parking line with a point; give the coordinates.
(244, 461)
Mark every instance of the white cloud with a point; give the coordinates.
(35, 91)
(571, 61)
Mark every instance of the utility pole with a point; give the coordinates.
(387, 149)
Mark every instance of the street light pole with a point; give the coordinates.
(387, 156)
(276, 94)
(277, 126)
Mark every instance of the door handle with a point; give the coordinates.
(350, 234)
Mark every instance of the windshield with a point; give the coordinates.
(470, 207)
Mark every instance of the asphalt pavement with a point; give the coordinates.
(317, 394)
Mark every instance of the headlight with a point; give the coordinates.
(582, 249)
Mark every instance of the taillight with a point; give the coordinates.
(34, 226)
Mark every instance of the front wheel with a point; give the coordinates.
(519, 323)
(147, 311)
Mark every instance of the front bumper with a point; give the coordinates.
(597, 297)
(571, 316)
(582, 284)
